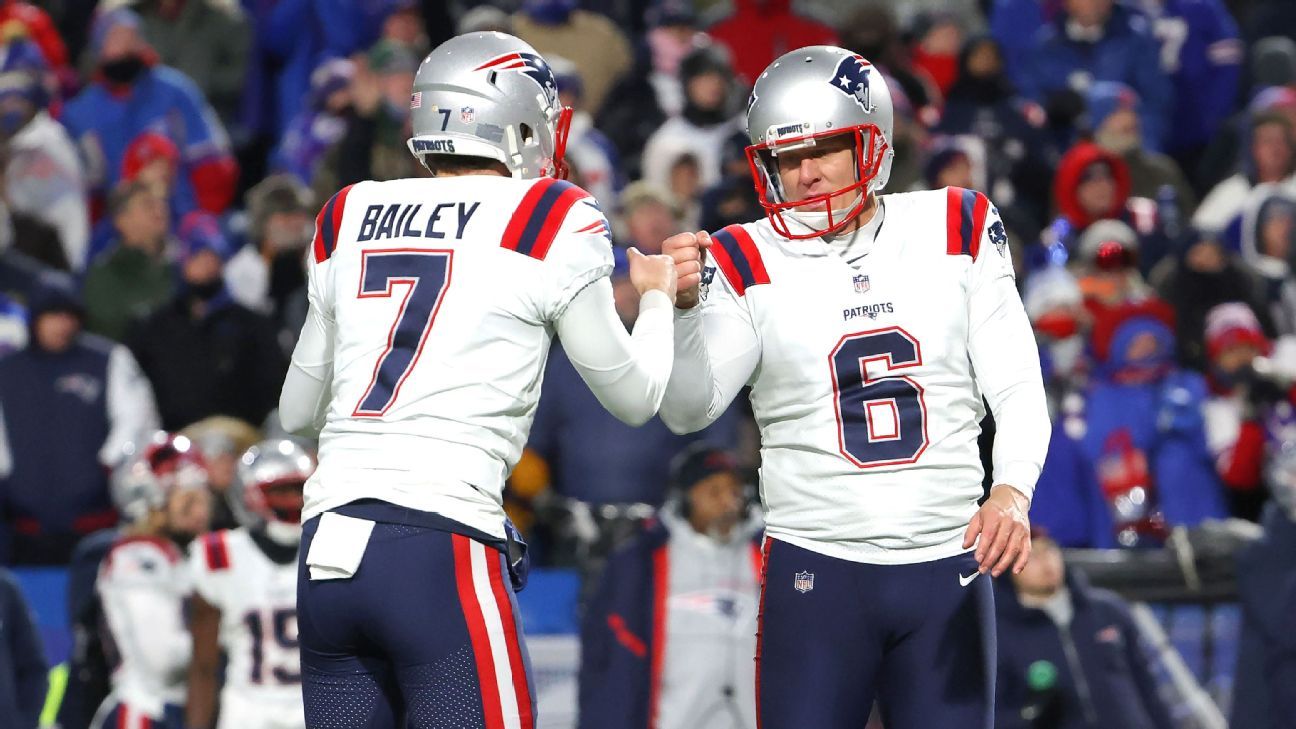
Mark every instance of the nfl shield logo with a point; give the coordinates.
(467, 115)
(861, 284)
(803, 582)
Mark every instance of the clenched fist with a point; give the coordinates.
(652, 272)
(688, 250)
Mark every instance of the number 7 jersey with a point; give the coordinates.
(870, 374)
(439, 298)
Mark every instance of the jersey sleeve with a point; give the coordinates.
(209, 567)
(1005, 359)
(580, 254)
(142, 586)
(717, 350)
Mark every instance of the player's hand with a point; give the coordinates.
(688, 250)
(1004, 529)
(649, 273)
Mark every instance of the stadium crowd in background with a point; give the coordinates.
(161, 162)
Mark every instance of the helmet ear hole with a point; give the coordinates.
(526, 132)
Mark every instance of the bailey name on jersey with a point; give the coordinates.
(399, 220)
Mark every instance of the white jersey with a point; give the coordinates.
(143, 585)
(257, 599)
(435, 301)
(868, 359)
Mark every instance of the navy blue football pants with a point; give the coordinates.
(834, 635)
(425, 635)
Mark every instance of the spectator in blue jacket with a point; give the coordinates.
(668, 638)
(1265, 685)
(1097, 40)
(1070, 655)
(132, 93)
(23, 678)
(1136, 462)
(70, 403)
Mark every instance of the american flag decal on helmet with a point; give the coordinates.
(416, 100)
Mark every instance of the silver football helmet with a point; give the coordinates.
(490, 95)
(267, 489)
(801, 98)
(150, 471)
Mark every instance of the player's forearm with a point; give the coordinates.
(686, 408)
(627, 373)
(701, 387)
(200, 711)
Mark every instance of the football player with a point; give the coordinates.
(144, 583)
(870, 328)
(432, 306)
(245, 595)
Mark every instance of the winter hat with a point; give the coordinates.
(1232, 324)
(1108, 244)
(54, 292)
(21, 69)
(200, 231)
(549, 12)
(662, 13)
(697, 462)
(388, 57)
(105, 22)
(1106, 98)
(709, 58)
(332, 75)
(1273, 61)
(1049, 289)
(281, 193)
(485, 18)
(942, 157)
(1270, 98)
(145, 149)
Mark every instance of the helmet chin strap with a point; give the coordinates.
(283, 533)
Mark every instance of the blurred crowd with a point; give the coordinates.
(162, 163)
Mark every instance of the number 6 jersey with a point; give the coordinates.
(868, 357)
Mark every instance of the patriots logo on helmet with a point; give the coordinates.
(852, 78)
(528, 64)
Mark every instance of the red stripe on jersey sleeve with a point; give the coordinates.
(953, 220)
(557, 214)
(727, 267)
(751, 253)
(215, 551)
(979, 210)
(522, 215)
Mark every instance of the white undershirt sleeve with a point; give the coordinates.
(304, 400)
(626, 372)
(1005, 362)
(716, 352)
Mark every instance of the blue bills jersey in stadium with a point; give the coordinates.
(442, 295)
(867, 372)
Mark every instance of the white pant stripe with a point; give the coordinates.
(495, 632)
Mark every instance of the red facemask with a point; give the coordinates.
(869, 156)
